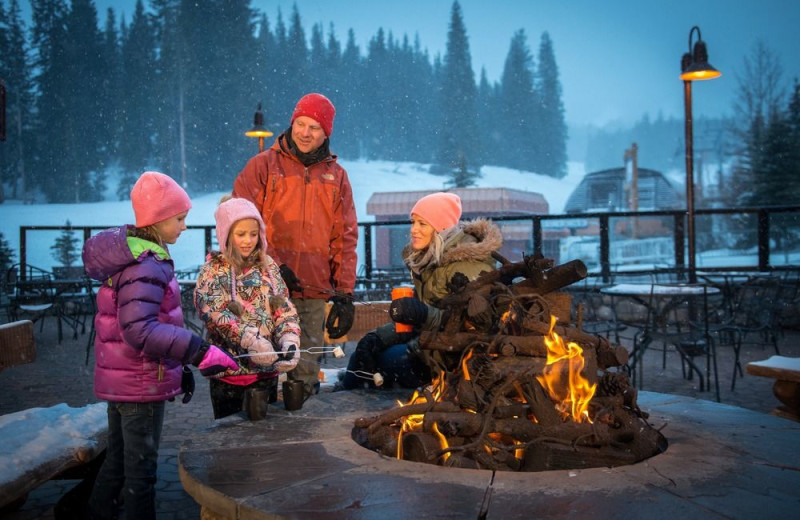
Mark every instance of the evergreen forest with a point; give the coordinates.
(175, 87)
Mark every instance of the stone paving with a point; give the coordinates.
(59, 375)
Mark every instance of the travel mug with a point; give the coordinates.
(255, 403)
(293, 394)
(402, 292)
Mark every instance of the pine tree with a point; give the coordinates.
(518, 115)
(50, 126)
(349, 119)
(137, 95)
(81, 143)
(6, 255)
(295, 54)
(457, 139)
(65, 249)
(461, 176)
(168, 112)
(110, 119)
(552, 138)
(488, 122)
(15, 69)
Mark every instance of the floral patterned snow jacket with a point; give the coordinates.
(140, 343)
(267, 307)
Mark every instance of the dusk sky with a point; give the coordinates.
(618, 59)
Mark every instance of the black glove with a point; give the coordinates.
(187, 384)
(290, 279)
(365, 357)
(341, 316)
(409, 311)
(413, 349)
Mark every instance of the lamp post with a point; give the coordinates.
(694, 66)
(258, 129)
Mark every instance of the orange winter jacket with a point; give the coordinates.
(310, 217)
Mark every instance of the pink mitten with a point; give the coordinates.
(288, 356)
(216, 361)
(259, 347)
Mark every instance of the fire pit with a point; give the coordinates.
(722, 461)
(510, 393)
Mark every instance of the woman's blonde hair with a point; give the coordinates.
(418, 260)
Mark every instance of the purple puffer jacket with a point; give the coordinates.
(140, 343)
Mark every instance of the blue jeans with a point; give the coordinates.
(397, 368)
(134, 432)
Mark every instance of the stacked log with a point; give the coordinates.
(491, 406)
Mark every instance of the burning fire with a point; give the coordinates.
(413, 422)
(562, 377)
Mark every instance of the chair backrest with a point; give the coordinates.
(9, 281)
(756, 303)
(678, 308)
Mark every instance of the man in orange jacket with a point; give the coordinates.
(306, 201)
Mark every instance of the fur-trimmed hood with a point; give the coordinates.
(467, 249)
(475, 240)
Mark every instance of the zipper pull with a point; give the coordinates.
(160, 370)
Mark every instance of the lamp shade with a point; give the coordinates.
(695, 66)
(258, 129)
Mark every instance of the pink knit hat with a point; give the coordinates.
(317, 107)
(156, 197)
(441, 210)
(230, 212)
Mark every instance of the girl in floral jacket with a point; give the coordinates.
(244, 303)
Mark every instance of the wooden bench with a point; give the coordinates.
(40, 444)
(17, 346)
(786, 372)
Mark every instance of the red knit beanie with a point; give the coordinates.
(230, 212)
(317, 107)
(156, 197)
(440, 210)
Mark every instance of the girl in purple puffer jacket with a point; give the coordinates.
(141, 345)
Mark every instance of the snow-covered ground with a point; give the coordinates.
(366, 177)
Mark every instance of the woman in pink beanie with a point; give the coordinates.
(442, 253)
(141, 347)
(244, 303)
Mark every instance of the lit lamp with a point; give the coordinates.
(694, 66)
(258, 129)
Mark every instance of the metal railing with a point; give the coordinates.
(769, 232)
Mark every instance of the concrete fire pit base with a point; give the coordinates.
(722, 461)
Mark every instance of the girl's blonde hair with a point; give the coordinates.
(148, 233)
(258, 258)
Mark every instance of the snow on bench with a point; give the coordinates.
(777, 367)
(39, 444)
(786, 372)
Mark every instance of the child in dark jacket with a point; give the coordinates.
(244, 303)
(141, 345)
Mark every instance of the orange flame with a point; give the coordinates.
(413, 422)
(572, 396)
(442, 442)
